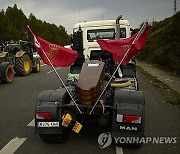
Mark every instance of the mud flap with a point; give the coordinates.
(128, 104)
(48, 102)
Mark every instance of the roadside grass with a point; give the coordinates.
(171, 95)
(162, 46)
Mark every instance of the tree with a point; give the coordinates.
(13, 26)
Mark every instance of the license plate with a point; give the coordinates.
(48, 124)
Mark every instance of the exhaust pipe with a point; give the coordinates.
(118, 27)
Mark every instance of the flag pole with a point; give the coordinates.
(61, 81)
(135, 39)
(139, 33)
(54, 69)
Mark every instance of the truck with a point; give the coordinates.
(22, 55)
(90, 97)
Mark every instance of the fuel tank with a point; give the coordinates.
(90, 81)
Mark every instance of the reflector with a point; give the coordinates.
(131, 119)
(43, 115)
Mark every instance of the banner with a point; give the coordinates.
(58, 55)
(119, 47)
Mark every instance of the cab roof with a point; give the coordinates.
(100, 23)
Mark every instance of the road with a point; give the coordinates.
(17, 102)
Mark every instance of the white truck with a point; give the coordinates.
(85, 35)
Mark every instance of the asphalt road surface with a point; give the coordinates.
(17, 102)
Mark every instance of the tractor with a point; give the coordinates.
(21, 54)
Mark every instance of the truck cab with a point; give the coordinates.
(86, 34)
(94, 30)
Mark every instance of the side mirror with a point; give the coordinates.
(132, 31)
(71, 39)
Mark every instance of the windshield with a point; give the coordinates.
(100, 34)
(104, 34)
(12, 47)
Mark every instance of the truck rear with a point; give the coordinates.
(117, 104)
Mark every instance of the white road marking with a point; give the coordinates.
(52, 71)
(32, 123)
(119, 150)
(43, 65)
(12, 146)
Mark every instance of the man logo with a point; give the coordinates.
(104, 140)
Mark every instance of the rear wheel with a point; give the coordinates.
(7, 73)
(23, 65)
(133, 145)
(55, 138)
(2, 60)
(37, 67)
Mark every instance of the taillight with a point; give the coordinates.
(128, 118)
(43, 115)
(131, 119)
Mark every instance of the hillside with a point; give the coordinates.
(163, 44)
(13, 26)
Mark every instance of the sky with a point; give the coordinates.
(69, 12)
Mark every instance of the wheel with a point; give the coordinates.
(135, 145)
(23, 65)
(37, 66)
(7, 73)
(55, 138)
(2, 60)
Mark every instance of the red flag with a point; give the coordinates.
(119, 47)
(58, 55)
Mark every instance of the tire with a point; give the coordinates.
(7, 73)
(55, 138)
(23, 65)
(135, 145)
(2, 60)
(37, 66)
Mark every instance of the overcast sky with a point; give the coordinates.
(69, 12)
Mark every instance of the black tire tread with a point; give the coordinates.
(35, 70)
(55, 138)
(4, 78)
(20, 67)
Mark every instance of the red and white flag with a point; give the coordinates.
(129, 46)
(58, 55)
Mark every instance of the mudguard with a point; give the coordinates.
(49, 101)
(3, 54)
(19, 54)
(128, 103)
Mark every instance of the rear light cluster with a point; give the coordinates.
(43, 115)
(128, 119)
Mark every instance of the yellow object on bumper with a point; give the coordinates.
(77, 127)
(67, 120)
